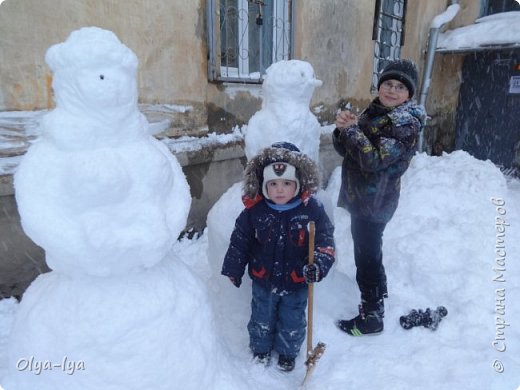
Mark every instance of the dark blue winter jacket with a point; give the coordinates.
(274, 244)
(376, 152)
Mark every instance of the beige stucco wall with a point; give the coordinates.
(167, 36)
(335, 36)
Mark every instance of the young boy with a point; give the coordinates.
(377, 149)
(271, 238)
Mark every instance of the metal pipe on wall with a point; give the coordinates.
(435, 27)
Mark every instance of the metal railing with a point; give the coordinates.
(246, 36)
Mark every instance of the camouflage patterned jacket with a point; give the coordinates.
(376, 152)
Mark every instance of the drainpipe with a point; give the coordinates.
(435, 27)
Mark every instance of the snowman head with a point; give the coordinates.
(93, 72)
(290, 80)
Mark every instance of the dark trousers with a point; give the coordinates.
(277, 321)
(368, 255)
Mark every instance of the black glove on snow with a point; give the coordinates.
(311, 273)
(429, 318)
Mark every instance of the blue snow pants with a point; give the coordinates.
(277, 321)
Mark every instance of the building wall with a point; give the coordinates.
(336, 37)
(169, 38)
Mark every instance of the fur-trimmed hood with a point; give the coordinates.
(307, 170)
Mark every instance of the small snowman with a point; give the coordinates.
(284, 116)
(107, 202)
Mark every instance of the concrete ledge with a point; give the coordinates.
(6, 185)
(211, 153)
(204, 153)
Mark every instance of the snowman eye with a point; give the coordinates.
(102, 77)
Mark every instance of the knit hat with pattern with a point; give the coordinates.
(403, 71)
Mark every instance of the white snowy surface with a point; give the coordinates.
(497, 29)
(440, 249)
(188, 144)
(446, 16)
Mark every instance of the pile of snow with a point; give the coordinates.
(497, 29)
(441, 248)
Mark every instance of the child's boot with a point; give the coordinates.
(368, 322)
(286, 363)
(262, 358)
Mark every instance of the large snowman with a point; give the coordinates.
(284, 116)
(107, 202)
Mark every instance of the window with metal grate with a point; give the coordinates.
(388, 34)
(246, 36)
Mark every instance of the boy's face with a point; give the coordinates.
(392, 93)
(281, 191)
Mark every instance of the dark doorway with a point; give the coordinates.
(496, 6)
(488, 114)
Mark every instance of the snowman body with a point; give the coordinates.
(107, 202)
(285, 115)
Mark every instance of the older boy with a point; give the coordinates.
(377, 149)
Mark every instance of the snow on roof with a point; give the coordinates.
(493, 31)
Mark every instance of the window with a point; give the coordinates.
(246, 36)
(388, 34)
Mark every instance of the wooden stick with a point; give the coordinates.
(310, 299)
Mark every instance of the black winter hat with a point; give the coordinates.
(403, 71)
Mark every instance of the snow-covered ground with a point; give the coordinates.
(453, 242)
